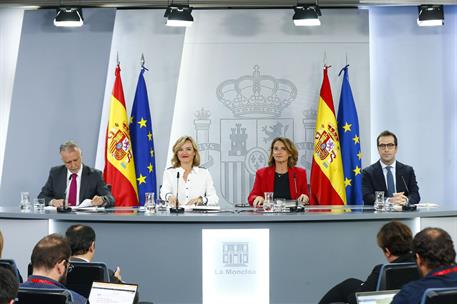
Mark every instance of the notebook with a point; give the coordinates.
(375, 297)
(112, 293)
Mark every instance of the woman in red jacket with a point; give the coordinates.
(281, 176)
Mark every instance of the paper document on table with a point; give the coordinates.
(111, 293)
(85, 203)
(50, 208)
(427, 205)
(202, 208)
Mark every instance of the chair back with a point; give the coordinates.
(27, 295)
(440, 296)
(83, 274)
(395, 275)
(11, 265)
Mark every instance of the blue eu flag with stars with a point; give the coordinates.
(143, 141)
(348, 129)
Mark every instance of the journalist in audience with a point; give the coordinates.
(50, 263)
(435, 258)
(196, 186)
(395, 241)
(8, 286)
(82, 243)
(1, 255)
(281, 177)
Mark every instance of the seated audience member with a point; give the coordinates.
(397, 180)
(196, 185)
(75, 182)
(394, 239)
(8, 286)
(1, 252)
(435, 258)
(281, 177)
(50, 262)
(81, 239)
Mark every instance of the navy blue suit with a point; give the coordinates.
(373, 180)
(44, 282)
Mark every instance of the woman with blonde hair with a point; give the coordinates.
(281, 177)
(195, 183)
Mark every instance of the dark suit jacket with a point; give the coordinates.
(91, 184)
(265, 179)
(373, 180)
(112, 278)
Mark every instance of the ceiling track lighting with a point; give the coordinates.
(307, 15)
(69, 17)
(430, 15)
(179, 15)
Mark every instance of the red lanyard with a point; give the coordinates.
(42, 281)
(445, 271)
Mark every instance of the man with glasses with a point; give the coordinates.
(50, 264)
(397, 180)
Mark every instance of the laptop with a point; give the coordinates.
(375, 297)
(112, 293)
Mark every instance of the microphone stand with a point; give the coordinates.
(408, 206)
(177, 209)
(65, 208)
(296, 208)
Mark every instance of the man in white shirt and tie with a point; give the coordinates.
(397, 180)
(75, 182)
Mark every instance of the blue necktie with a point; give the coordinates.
(390, 182)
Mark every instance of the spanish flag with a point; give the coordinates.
(327, 182)
(119, 165)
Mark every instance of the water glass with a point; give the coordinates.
(279, 205)
(379, 201)
(268, 202)
(38, 204)
(161, 205)
(25, 204)
(149, 202)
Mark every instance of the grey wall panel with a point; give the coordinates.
(58, 95)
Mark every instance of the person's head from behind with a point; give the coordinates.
(81, 239)
(395, 239)
(70, 153)
(50, 257)
(433, 248)
(283, 150)
(8, 286)
(185, 152)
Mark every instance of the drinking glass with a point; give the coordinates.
(25, 204)
(268, 202)
(379, 201)
(38, 204)
(149, 202)
(279, 205)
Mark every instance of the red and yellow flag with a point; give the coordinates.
(119, 165)
(327, 175)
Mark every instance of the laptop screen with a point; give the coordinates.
(111, 293)
(375, 297)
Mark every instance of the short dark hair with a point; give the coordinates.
(395, 236)
(435, 247)
(80, 238)
(387, 133)
(8, 285)
(49, 251)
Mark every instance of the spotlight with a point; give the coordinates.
(307, 15)
(179, 16)
(69, 17)
(430, 15)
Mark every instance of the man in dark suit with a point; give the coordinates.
(397, 180)
(82, 243)
(75, 182)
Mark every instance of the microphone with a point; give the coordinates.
(177, 209)
(65, 208)
(297, 208)
(408, 206)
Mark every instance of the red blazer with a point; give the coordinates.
(265, 179)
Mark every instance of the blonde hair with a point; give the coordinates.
(178, 145)
(290, 147)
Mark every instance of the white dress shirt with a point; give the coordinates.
(384, 171)
(78, 184)
(199, 183)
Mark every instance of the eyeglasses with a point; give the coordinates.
(69, 266)
(386, 146)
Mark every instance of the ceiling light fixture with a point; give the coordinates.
(307, 15)
(430, 15)
(69, 17)
(179, 15)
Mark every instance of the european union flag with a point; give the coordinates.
(348, 129)
(143, 141)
